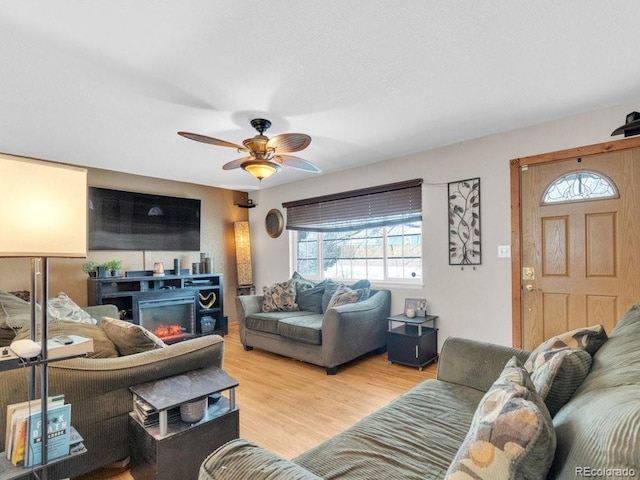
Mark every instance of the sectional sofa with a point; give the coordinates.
(436, 429)
(98, 388)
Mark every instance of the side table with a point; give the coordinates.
(412, 343)
(173, 449)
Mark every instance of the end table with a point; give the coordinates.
(175, 449)
(414, 342)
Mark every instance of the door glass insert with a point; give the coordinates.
(579, 186)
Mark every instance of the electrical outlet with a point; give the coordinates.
(504, 251)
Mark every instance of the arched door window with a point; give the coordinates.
(579, 186)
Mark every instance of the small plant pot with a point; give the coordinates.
(192, 412)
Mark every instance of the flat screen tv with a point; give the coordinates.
(121, 220)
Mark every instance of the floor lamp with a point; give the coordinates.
(243, 257)
(43, 215)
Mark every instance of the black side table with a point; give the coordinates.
(172, 449)
(414, 342)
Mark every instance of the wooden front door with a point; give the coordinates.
(580, 255)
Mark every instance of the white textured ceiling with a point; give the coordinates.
(108, 83)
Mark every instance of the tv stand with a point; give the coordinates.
(204, 290)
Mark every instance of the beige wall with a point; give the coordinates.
(471, 302)
(218, 214)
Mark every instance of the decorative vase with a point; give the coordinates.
(158, 269)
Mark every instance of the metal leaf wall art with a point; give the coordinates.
(464, 222)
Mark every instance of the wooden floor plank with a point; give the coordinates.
(289, 406)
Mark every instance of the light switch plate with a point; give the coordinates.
(504, 251)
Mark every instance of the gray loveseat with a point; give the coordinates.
(98, 388)
(418, 435)
(328, 339)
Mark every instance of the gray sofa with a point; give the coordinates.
(418, 435)
(328, 339)
(98, 390)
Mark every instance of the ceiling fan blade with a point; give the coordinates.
(289, 142)
(295, 162)
(236, 163)
(212, 141)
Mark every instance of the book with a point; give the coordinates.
(15, 410)
(19, 440)
(149, 416)
(79, 346)
(76, 442)
(57, 430)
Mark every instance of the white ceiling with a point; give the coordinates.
(108, 83)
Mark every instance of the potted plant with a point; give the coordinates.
(90, 268)
(113, 267)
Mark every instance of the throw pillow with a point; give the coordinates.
(331, 287)
(365, 285)
(345, 295)
(301, 283)
(103, 347)
(310, 300)
(130, 338)
(22, 295)
(511, 434)
(14, 312)
(279, 297)
(561, 374)
(61, 307)
(589, 339)
(308, 294)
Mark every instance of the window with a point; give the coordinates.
(579, 186)
(385, 253)
(373, 233)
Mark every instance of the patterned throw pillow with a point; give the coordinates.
(130, 338)
(589, 339)
(331, 287)
(279, 297)
(344, 295)
(559, 365)
(61, 307)
(560, 375)
(511, 434)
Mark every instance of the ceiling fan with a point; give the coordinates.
(266, 155)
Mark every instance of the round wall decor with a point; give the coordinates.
(274, 223)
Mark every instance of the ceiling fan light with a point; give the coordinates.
(260, 168)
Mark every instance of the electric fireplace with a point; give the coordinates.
(170, 319)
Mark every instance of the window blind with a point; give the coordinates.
(383, 205)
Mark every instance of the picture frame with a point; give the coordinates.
(419, 305)
(465, 247)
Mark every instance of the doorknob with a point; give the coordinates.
(529, 288)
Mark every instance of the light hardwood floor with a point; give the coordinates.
(289, 406)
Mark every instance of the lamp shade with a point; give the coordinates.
(243, 253)
(43, 209)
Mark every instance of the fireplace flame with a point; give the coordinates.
(169, 332)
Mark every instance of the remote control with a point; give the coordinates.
(63, 339)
